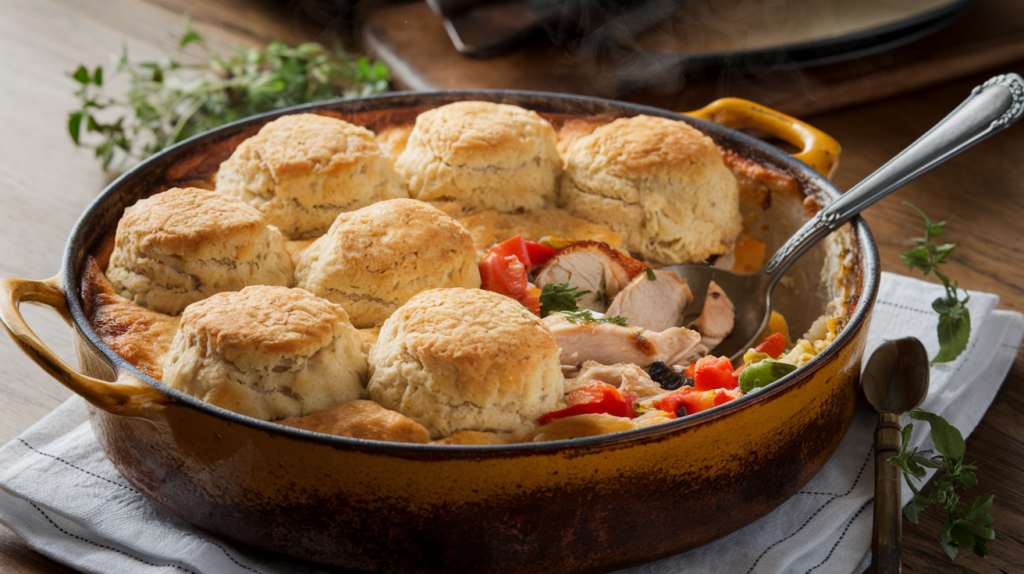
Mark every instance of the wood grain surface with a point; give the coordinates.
(415, 44)
(45, 183)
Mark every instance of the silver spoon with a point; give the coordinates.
(895, 381)
(991, 108)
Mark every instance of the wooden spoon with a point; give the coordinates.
(895, 381)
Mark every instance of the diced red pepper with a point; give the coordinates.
(725, 395)
(689, 370)
(539, 254)
(695, 401)
(507, 276)
(531, 253)
(515, 246)
(595, 398)
(714, 373)
(532, 300)
(773, 345)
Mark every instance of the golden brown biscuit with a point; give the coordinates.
(469, 437)
(362, 419)
(490, 227)
(482, 155)
(374, 259)
(267, 352)
(580, 426)
(183, 245)
(393, 139)
(302, 170)
(466, 359)
(660, 182)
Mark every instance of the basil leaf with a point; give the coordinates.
(927, 462)
(960, 535)
(975, 530)
(918, 257)
(954, 330)
(75, 125)
(948, 440)
(81, 75)
(190, 37)
(946, 538)
(763, 373)
(979, 513)
(905, 435)
(968, 480)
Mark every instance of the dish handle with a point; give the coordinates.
(127, 396)
(817, 149)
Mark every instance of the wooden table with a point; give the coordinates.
(45, 183)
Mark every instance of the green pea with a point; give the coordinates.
(765, 372)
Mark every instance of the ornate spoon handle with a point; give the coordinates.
(990, 108)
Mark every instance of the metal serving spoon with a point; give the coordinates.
(895, 381)
(991, 108)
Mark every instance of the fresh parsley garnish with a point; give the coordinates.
(168, 101)
(650, 275)
(556, 297)
(585, 316)
(954, 318)
(967, 531)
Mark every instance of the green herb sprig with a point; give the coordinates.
(556, 297)
(585, 316)
(167, 101)
(954, 318)
(969, 530)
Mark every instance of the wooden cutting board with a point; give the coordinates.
(413, 42)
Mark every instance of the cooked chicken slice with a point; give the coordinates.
(628, 378)
(656, 304)
(716, 320)
(592, 266)
(608, 343)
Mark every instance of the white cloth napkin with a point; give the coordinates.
(59, 492)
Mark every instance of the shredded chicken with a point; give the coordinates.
(608, 343)
(592, 266)
(656, 304)
(717, 319)
(626, 377)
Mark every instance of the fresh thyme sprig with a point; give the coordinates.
(954, 318)
(167, 101)
(967, 531)
(555, 297)
(586, 316)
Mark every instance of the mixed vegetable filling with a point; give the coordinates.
(616, 321)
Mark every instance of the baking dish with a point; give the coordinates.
(590, 504)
